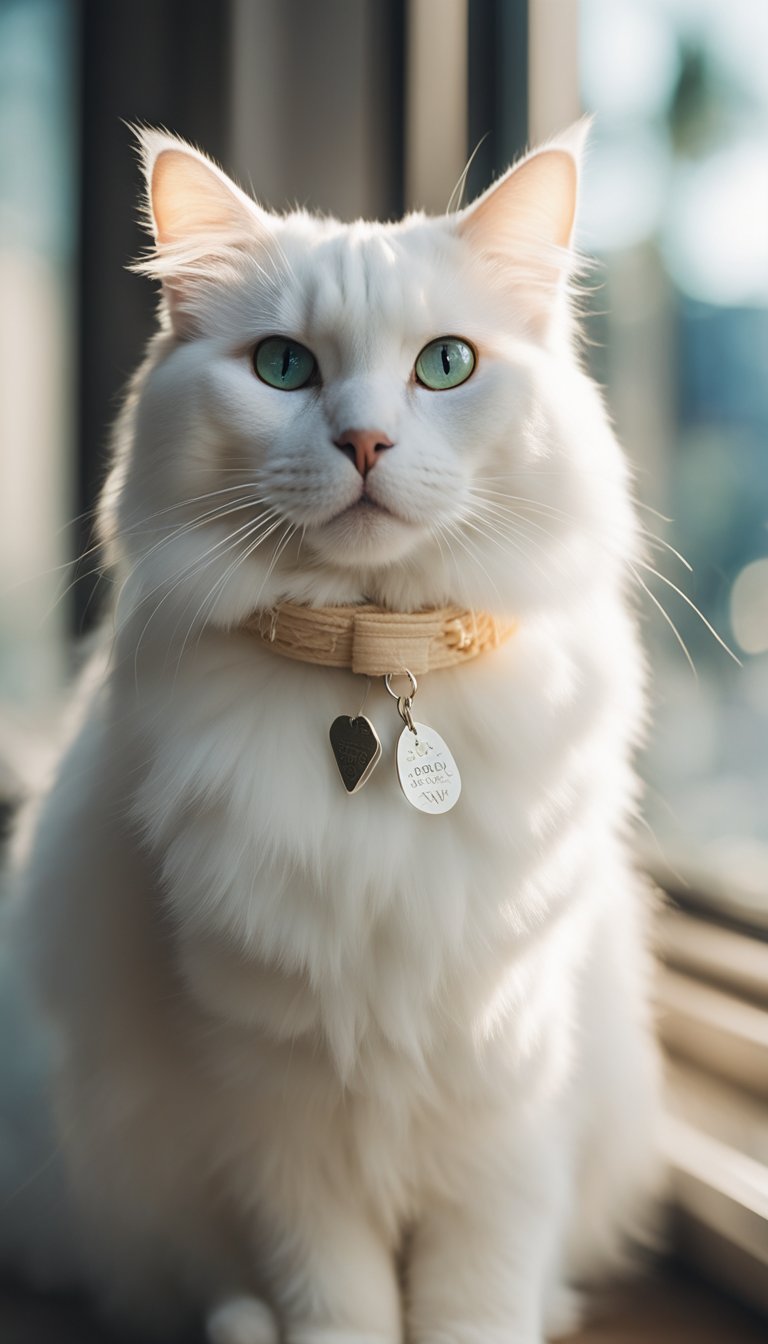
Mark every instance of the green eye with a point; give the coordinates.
(283, 363)
(445, 363)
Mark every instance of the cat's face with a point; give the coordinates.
(381, 411)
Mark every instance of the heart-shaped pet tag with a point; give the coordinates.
(357, 749)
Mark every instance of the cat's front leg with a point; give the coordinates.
(334, 1279)
(481, 1262)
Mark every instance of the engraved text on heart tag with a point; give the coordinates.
(357, 749)
(428, 774)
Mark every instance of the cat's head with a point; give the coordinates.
(335, 412)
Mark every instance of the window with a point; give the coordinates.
(676, 209)
(37, 241)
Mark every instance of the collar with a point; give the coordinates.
(373, 641)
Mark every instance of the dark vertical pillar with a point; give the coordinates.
(389, 29)
(166, 63)
(497, 88)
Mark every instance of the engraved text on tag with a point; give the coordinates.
(428, 774)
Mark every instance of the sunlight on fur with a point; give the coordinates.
(321, 1063)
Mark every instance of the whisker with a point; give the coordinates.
(435, 531)
(471, 551)
(73, 561)
(185, 503)
(503, 516)
(228, 542)
(663, 578)
(212, 516)
(669, 621)
(224, 578)
(519, 544)
(96, 546)
(59, 598)
(458, 191)
(502, 497)
(510, 505)
(655, 512)
(442, 529)
(659, 541)
(512, 535)
(503, 527)
(281, 545)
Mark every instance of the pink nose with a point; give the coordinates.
(362, 446)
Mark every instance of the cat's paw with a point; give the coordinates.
(314, 1334)
(563, 1313)
(241, 1320)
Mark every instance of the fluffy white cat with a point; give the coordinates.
(325, 1065)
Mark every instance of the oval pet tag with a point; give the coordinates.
(357, 749)
(428, 774)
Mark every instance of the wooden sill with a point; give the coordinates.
(671, 1308)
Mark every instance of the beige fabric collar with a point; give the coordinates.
(373, 641)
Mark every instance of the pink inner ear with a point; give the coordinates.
(198, 217)
(189, 197)
(535, 202)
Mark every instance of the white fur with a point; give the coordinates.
(308, 1037)
(242, 1320)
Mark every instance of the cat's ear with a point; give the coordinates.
(524, 222)
(197, 216)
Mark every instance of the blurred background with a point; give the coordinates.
(370, 107)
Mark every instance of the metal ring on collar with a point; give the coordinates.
(405, 673)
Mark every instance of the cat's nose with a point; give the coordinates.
(363, 446)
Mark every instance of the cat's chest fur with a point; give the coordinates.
(305, 907)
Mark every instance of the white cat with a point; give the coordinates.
(390, 1074)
